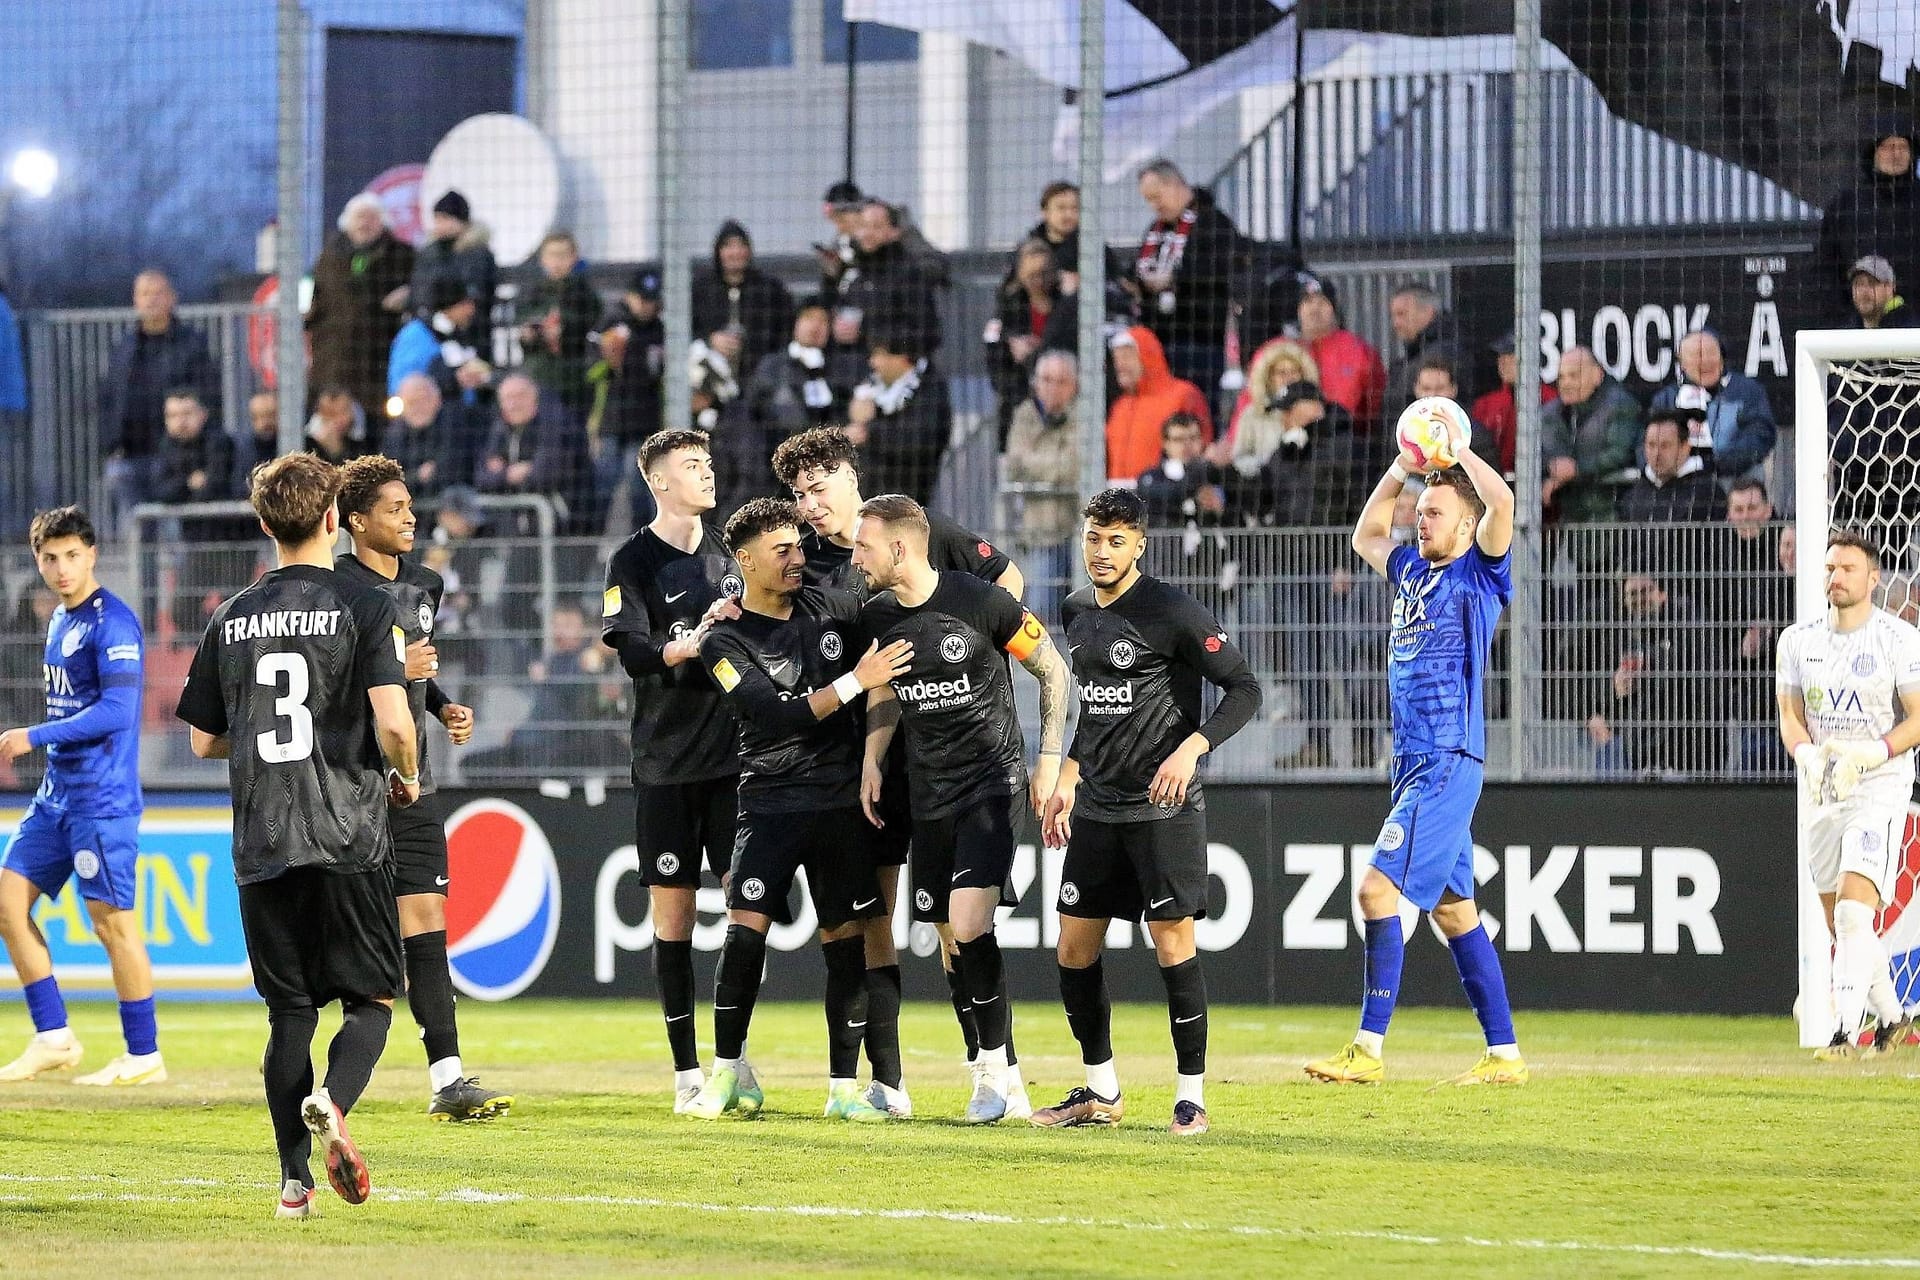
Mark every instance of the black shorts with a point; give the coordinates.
(315, 935)
(891, 842)
(970, 848)
(1155, 870)
(682, 825)
(832, 844)
(419, 848)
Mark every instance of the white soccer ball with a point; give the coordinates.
(1432, 431)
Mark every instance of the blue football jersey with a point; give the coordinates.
(1443, 621)
(92, 648)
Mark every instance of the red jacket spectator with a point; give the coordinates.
(1150, 395)
(1497, 412)
(1352, 375)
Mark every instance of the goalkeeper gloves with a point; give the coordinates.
(1853, 761)
(1810, 762)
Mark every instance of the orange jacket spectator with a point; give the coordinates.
(1150, 394)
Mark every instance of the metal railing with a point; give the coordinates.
(1655, 643)
(1428, 154)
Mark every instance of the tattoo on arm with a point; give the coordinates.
(1045, 665)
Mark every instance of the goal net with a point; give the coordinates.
(1857, 465)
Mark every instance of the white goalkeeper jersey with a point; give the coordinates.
(1851, 681)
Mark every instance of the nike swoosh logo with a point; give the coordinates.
(671, 599)
(988, 1000)
(775, 668)
(1184, 1021)
(1155, 906)
(958, 874)
(855, 1026)
(679, 1017)
(440, 880)
(862, 906)
(722, 1007)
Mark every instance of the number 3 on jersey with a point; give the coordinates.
(289, 704)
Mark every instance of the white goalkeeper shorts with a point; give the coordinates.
(1865, 834)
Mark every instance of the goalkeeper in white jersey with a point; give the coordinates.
(1849, 693)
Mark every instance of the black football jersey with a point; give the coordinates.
(789, 760)
(949, 546)
(1139, 664)
(416, 593)
(683, 731)
(956, 701)
(283, 672)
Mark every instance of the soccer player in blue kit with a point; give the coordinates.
(84, 821)
(1449, 588)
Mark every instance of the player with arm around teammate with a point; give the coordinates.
(821, 467)
(84, 821)
(1449, 589)
(966, 763)
(1839, 679)
(377, 510)
(1137, 842)
(300, 684)
(791, 666)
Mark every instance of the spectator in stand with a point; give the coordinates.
(16, 471)
(1032, 316)
(1059, 230)
(1313, 475)
(1877, 303)
(1149, 395)
(633, 353)
(1043, 456)
(1435, 377)
(432, 439)
(195, 464)
(1424, 331)
(793, 390)
(537, 447)
(1351, 374)
(901, 418)
(887, 288)
(712, 376)
(574, 721)
(359, 301)
(1183, 489)
(458, 552)
(1185, 272)
(337, 431)
(1497, 409)
(1756, 604)
(563, 307)
(841, 207)
(1737, 432)
(431, 343)
(1878, 215)
(160, 353)
(458, 251)
(734, 295)
(262, 441)
(1587, 441)
(1658, 713)
(1279, 364)
(1673, 486)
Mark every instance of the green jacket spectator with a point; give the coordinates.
(1587, 440)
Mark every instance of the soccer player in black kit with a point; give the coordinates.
(377, 510)
(790, 663)
(821, 466)
(1128, 807)
(661, 584)
(300, 684)
(966, 764)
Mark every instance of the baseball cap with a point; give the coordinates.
(1873, 265)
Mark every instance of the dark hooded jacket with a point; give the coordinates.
(760, 305)
(1878, 214)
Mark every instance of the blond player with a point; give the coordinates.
(1840, 679)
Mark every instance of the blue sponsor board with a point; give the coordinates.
(188, 905)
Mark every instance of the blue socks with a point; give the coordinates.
(48, 1010)
(1386, 951)
(1480, 974)
(136, 1024)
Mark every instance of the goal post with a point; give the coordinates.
(1856, 409)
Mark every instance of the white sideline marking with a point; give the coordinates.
(473, 1195)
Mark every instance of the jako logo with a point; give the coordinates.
(503, 905)
(925, 690)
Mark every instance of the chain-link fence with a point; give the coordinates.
(528, 233)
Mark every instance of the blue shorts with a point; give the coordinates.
(1426, 846)
(100, 853)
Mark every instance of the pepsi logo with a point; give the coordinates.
(503, 906)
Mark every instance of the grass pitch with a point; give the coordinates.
(1644, 1146)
